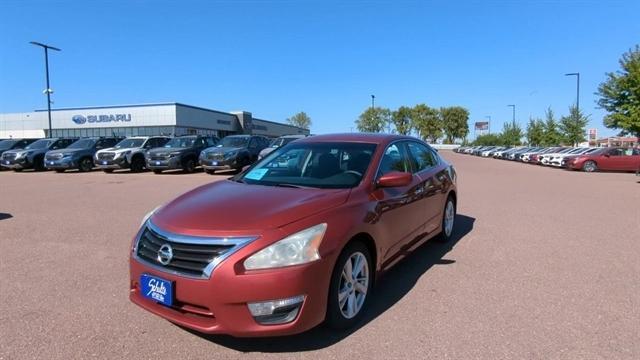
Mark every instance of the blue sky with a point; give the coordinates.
(275, 58)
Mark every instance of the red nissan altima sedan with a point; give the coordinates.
(295, 240)
(613, 159)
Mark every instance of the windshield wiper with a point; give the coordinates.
(292, 186)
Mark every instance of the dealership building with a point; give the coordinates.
(139, 120)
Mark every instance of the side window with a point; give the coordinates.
(211, 142)
(421, 156)
(199, 142)
(394, 159)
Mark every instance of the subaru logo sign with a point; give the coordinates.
(82, 119)
(79, 119)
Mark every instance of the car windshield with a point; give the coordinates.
(180, 142)
(234, 141)
(338, 165)
(82, 144)
(39, 144)
(7, 144)
(129, 143)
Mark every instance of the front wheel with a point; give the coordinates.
(589, 166)
(86, 165)
(350, 288)
(210, 172)
(157, 172)
(189, 166)
(108, 171)
(448, 220)
(137, 164)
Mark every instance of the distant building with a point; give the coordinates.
(141, 119)
(618, 141)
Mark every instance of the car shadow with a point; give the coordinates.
(5, 216)
(394, 285)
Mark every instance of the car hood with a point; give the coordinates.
(222, 150)
(116, 150)
(66, 151)
(162, 151)
(228, 206)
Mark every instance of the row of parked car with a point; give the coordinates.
(588, 159)
(156, 153)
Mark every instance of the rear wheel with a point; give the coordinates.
(448, 220)
(589, 166)
(137, 164)
(350, 288)
(85, 165)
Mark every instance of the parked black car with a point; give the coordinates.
(11, 144)
(78, 155)
(32, 156)
(181, 152)
(233, 152)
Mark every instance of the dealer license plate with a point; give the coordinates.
(157, 289)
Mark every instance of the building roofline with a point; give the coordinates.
(136, 105)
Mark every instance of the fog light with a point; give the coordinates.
(276, 311)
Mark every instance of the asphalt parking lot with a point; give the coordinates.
(545, 264)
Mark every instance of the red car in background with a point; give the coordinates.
(295, 240)
(607, 159)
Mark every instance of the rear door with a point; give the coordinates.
(431, 190)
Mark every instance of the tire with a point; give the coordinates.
(108, 171)
(157, 171)
(448, 221)
(38, 164)
(189, 166)
(17, 170)
(59, 171)
(589, 166)
(210, 172)
(342, 317)
(85, 165)
(137, 164)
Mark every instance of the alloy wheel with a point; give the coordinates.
(354, 284)
(449, 218)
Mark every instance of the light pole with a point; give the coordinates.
(577, 75)
(48, 90)
(489, 125)
(373, 98)
(514, 112)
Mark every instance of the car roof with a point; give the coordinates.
(374, 138)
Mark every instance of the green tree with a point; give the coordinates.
(552, 136)
(488, 139)
(455, 120)
(402, 120)
(373, 120)
(511, 134)
(574, 126)
(535, 132)
(620, 95)
(427, 122)
(301, 120)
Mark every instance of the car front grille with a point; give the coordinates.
(57, 156)
(158, 157)
(215, 156)
(9, 156)
(192, 258)
(106, 156)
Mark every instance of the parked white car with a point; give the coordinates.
(557, 160)
(546, 158)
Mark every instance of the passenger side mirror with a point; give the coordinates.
(395, 179)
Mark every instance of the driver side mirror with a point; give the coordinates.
(395, 179)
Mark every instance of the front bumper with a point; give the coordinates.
(219, 164)
(22, 163)
(164, 164)
(64, 163)
(218, 305)
(117, 163)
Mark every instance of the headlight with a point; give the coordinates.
(149, 215)
(299, 248)
(124, 153)
(21, 154)
(175, 153)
